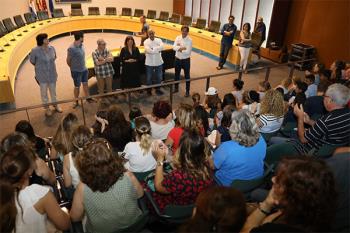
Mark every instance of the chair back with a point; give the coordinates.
(236, 37)
(9, 25)
(93, 11)
(138, 12)
(178, 213)
(276, 152)
(186, 20)
(111, 11)
(164, 16)
(201, 23)
(140, 176)
(19, 21)
(151, 14)
(126, 11)
(58, 13)
(77, 12)
(75, 6)
(29, 17)
(214, 26)
(175, 18)
(42, 15)
(3, 30)
(138, 225)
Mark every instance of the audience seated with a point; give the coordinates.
(107, 194)
(243, 156)
(138, 154)
(250, 102)
(312, 87)
(302, 199)
(26, 207)
(238, 90)
(212, 102)
(201, 117)
(218, 209)
(225, 123)
(263, 87)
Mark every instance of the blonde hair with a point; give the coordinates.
(286, 82)
(244, 128)
(62, 140)
(272, 104)
(143, 132)
(185, 116)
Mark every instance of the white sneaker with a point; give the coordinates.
(75, 104)
(58, 109)
(48, 112)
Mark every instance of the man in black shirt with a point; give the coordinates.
(228, 32)
(261, 29)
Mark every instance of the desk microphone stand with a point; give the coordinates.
(6, 42)
(13, 37)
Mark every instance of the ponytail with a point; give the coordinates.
(8, 210)
(145, 142)
(143, 131)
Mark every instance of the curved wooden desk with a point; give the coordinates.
(14, 54)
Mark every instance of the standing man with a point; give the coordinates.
(228, 33)
(154, 61)
(76, 63)
(104, 71)
(183, 47)
(144, 30)
(261, 29)
(43, 58)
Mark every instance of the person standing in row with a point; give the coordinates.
(144, 30)
(260, 29)
(104, 71)
(183, 47)
(43, 58)
(154, 61)
(244, 46)
(228, 32)
(130, 59)
(76, 63)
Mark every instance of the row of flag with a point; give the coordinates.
(39, 5)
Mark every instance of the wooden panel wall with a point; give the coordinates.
(179, 6)
(324, 24)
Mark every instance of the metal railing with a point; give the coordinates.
(168, 84)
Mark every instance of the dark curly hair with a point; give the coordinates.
(306, 191)
(161, 109)
(99, 168)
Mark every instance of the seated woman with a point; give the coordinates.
(303, 192)
(42, 173)
(184, 120)
(191, 173)
(118, 132)
(217, 209)
(251, 101)
(224, 126)
(271, 112)
(107, 193)
(243, 156)
(161, 120)
(80, 137)
(139, 154)
(25, 207)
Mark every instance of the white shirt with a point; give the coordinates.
(161, 131)
(138, 161)
(153, 49)
(270, 123)
(73, 171)
(32, 220)
(183, 42)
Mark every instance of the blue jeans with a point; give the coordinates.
(79, 77)
(158, 70)
(224, 50)
(186, 65)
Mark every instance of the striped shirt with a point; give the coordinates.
(270, 123)
(331, 129)
(102, 71)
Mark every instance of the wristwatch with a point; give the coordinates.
(160, 163)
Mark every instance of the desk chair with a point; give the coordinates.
(138, 12)
(58, 13)
(126, 11)
(75, 6)
(175, 18)
(29, 17)
(93, 11)
(19, 21)
(111, 11)
(77, 12)
(43, 15)
(236, 37)
(3, 30)
(214, 26)
(9, 25)
(200, 23)
(151, 14)
(186, 20)
(164, 16)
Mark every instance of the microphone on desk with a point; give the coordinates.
(2, 49)
(199, 31)
(213, 35)
(13, 38)
(6, 42)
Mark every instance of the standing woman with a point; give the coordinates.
(104, 71)
(244, 45)
(43, 58)
(130, 57)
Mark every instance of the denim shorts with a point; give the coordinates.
(79, 77)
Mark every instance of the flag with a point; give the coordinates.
(38, 4)
(32, 7)
(43, 4)
(51, 7)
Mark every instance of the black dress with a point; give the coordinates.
(130, 70)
